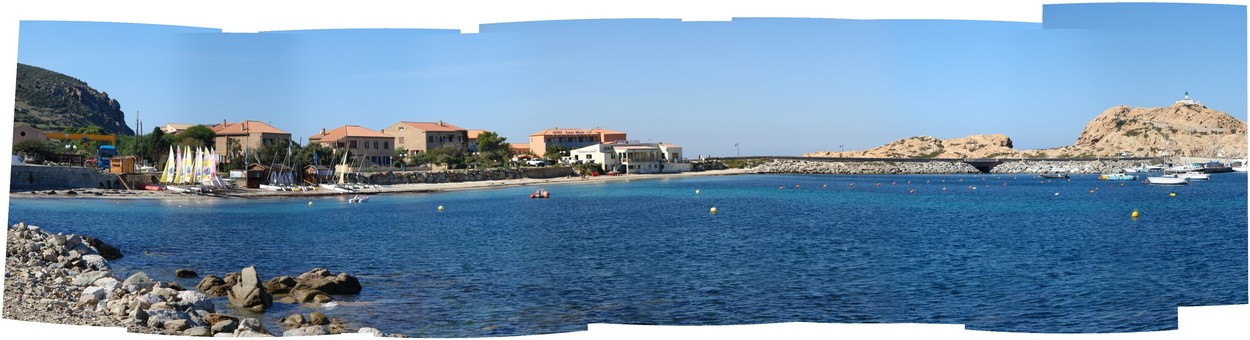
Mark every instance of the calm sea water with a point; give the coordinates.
(1032, 255)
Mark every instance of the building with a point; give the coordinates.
(368, 147)
(418, 137)
(632, 157)
(571, 138)
(473, 139)
(1186, 101)
(23, 132)
(175, 128)
(248, 134)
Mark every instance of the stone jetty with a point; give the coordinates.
(66, 279)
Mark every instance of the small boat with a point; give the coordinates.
(541, 193)
(1216, 167)
(1194, 175)
(1167, 180)
(1144, 169)
(336, 187)
(1054, 175)
(358, 199)
(153, 187)
(1118, 177)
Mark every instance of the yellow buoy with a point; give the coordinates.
(1135, 213)
(713, 210)
(1172, 194)
(440, 208)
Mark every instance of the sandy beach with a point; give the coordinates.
(384, 189)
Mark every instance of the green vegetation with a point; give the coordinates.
(194, 137)
(933, 154)
(1132, 133)
(37, 148)
(492, 150)
(588, 168)
(451, 155)
(743, 163)
(554, 152)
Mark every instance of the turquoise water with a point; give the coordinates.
(1032, 255)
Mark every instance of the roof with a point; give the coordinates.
(439, 126)
(473, 133)
(575, 132)
(245, 127)
(178, 125)
(348, 131)
(521, 147)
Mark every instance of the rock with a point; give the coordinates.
(294, 321)
(176, 325)
(214, 318)
(88, 278)
(197, 331)
(225, 326)
(280, 285)
(95, 262)
(370, 330)
(194, 300)
(320, 279)
(251, 324)
(231, 279)
(316, 318)
(212, 285)
(306, 331)
(185, 273)
(138, 316)
(248, 292)
(107, 251)
(337, 327)
(310, 296)
(158, 318)
(137, 283)
(96, 292)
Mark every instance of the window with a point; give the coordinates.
(375, 144)
(351, 144)
(338, 145)
(401, 129)
(429, 139)
(386, 145)
(366, 143)
(23, 133)
(401, 140)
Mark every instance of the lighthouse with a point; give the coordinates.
(1186, 101)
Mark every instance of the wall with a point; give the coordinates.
(37, 177)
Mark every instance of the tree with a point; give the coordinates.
(451, 155)
(554, 152)
(31, 147)
(85, 147)
(493, 150)
(195, 136)
(324, 155)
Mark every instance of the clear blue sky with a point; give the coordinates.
(776, 86)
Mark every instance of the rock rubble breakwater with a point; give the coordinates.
(66, 279)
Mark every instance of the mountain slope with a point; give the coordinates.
(51, 101)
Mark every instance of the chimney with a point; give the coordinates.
(440, 122)
(323, 131)
(223, 121)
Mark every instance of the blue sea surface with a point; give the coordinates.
(994, 252)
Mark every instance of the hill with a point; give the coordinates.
(51, 101)
(1185, 129)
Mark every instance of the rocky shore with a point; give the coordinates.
(66, 279)
(1024, 166)
(781, 166)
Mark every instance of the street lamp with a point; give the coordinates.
(738, 149)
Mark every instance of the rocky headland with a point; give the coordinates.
(66, 279)
(1020, 166)
(1185, 129)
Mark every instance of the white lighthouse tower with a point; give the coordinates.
(1186, 101)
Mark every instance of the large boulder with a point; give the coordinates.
(185, 273)
(95, 262)
(109, 252)
(280, 285)
(320, 279)
(212, 285)
(310, 296)
(137, 283)
(248, 292)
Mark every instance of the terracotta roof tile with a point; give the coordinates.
(436, 126)
(245, 127)
(347, 131)
(574, 132)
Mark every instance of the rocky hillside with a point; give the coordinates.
(51, 101)
(1180, 130)
(976, 146)
(1183, 130)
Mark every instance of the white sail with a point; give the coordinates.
(171, 167)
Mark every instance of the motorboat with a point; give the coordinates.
(541, 193)
(1144, 169)
(1167, 180)
(358, 199)
(1182, 169)
(1216, 167)
(1194, 175)
(1118, 177)
(1054, 175)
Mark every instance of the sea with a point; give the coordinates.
(1009, 253)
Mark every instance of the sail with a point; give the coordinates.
(187, 165)
(167, 175)
(178, 167)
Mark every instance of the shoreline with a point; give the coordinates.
(92, 193)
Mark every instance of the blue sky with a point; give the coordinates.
(774, 86)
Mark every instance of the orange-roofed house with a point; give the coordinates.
(418, 137)
(571, 138)
(248, 134)
(367, 146)
(473, 139)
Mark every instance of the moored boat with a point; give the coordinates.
(1118, 177)
(541, 193)
(1167, 180)
(1194, 175)
(358, 199)
(1054, 175)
